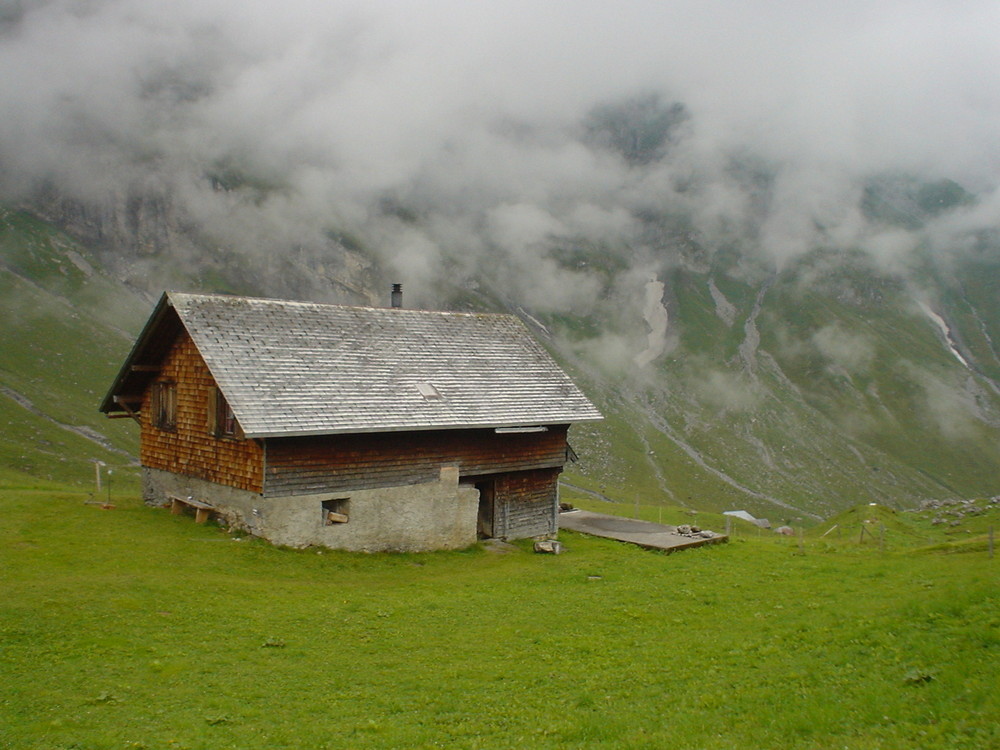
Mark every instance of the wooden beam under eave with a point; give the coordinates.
(129, 411)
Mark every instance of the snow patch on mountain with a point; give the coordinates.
(656, 317)
(945, 331)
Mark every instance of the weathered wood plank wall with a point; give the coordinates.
(192, 450)
(334, 463)
(526, 504)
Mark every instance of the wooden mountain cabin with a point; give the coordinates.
(349, 427)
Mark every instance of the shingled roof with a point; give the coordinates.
(301, 368)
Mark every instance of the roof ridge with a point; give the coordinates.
(173, 294)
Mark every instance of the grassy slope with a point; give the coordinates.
(897, 419)
(135, 628)
(66, 327)
(891, 394)
(972, 303)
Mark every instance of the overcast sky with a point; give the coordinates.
(475, 107)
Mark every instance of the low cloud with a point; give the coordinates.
(611, 352)
(457, 141)
(727, 391)
(951, 410)
(851, 351)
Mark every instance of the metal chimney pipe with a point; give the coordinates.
(396, 298)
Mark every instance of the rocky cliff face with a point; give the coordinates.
(153, 241)
(131, 224)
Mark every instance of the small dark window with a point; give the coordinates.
(225, 420)
(163, 405)
(336, 511)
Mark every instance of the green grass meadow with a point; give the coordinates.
(133, 628)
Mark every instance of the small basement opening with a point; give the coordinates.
(337, 510)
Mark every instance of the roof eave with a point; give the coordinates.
(419, 428)
(110, 403)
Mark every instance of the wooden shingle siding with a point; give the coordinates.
(297, 466)
(191, 449)
(526, 504)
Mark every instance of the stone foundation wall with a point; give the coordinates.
(415, 518)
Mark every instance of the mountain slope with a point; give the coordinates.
(828, 384)
(65, 326)
(792, 393)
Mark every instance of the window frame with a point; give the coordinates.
(163, 405)
(222, 420)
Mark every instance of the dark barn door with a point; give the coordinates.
(487, 493)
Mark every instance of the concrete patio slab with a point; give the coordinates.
(642, 533)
